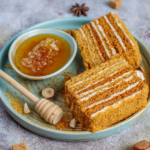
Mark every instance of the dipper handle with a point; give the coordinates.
(19, 87)
(51, 112)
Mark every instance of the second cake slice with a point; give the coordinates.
(106, 94)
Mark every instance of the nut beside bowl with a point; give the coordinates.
(27, 35)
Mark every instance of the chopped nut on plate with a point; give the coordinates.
(48, 92)
(26, 109)
(141, 69)
(140, 74)
(73, 123)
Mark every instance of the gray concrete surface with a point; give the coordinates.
(16, 15)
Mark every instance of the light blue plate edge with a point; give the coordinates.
(68, 135)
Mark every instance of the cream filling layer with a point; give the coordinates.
(116, 34)
(98, 73)
(104, 35)
(100, 80)
(113, 95)
(106, 88)
(119, 24)
(106, 50)
(115, 104)
(95, 43)
(90, 91)
(87, 44)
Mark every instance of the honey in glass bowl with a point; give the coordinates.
(42, 54)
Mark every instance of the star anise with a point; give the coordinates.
(78, 10)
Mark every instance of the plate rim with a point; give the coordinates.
(55, 130)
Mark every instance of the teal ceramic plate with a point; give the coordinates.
(34, 122)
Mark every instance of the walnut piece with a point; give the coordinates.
(142, 145)
(115, 4)
(20, 146)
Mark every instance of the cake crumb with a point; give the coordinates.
(8, 66)
(115, 4)
(78, 72)
(20, 146)
(67, 77)
(63, 125)
(17, 106)
(70, 72)
(63, 91)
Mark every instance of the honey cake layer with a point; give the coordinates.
(105, 37)
(119, 111)
(103, 86)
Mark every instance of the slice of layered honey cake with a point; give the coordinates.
(106, 94)
(105, 37)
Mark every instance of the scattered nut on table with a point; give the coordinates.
(73, 123)
(48, 92)
(115, 4)
(142, 145)
(20, 146)
(26, 108)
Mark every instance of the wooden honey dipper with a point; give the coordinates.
(51, 112)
